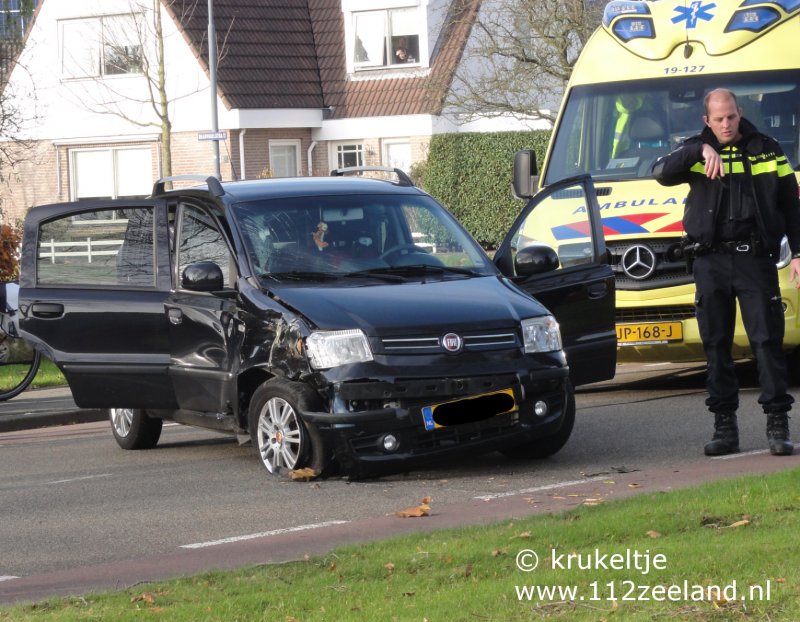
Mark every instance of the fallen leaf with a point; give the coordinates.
(146, 597)
(498, 552)
(555, 497)
(634, 485)
(738, 523)
(653, 534)
(415, 512)
(609, 481)
(306, 474)
(426, 500)
(389, 567)
(409, 593)
(524, 535)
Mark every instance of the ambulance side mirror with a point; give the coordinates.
(526, 174)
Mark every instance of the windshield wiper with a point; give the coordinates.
(300, 275)
(400, 271)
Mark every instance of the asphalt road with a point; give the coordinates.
(71, 501)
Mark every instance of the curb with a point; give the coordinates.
(31, 420)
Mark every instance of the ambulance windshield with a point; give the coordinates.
(615, 131)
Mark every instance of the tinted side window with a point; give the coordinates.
(200, 240)
(101, 247)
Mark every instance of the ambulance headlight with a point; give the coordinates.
(785, 254)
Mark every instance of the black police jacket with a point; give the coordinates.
(767, 179)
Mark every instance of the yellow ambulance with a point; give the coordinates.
(635, 93)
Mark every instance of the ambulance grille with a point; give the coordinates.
(669, 269)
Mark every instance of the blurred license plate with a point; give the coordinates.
(469, 409)
(651, 332)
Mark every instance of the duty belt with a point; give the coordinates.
(740, 247)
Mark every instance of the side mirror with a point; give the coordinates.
(536, 259)
(203, 276)
(526, 174)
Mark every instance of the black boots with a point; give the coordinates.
(726, 436)
(778, 434)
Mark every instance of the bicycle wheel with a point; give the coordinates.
(19, 363)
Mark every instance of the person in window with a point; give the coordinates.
(401, 51)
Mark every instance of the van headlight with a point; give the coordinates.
(541, 334)
(785, 254)
(328, 349)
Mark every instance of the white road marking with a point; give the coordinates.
(741, 454)
(263, 534)
(7, 577)
(76, 479)
(527, 491)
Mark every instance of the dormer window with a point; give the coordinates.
(385, 34)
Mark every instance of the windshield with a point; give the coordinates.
(616, 131)
(312, 237)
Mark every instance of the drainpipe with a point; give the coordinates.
(310, 161)
(242, 132)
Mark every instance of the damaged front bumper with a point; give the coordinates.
(389, 426)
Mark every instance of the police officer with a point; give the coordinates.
(743, 198)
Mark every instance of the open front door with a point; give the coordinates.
(556, 252)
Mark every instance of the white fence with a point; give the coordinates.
(93, 248)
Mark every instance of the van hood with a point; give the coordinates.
(413, 307)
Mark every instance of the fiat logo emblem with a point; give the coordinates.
(452, 342)
(639, 262)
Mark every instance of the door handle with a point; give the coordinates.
(175, 316)
(47, 310)
(597, 290)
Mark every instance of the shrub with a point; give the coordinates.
(470, 174)
(10, 240)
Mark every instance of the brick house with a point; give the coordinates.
(303, 86)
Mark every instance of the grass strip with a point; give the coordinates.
(743, 531)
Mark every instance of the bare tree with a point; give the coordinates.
(15, 18)
(135, 43)
(521, 55)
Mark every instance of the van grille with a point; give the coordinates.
(669, 270)
(674, 313)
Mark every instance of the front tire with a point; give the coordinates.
(133, 429)
(549, 445)
(279, 436)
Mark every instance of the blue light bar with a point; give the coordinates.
(787, 5)
(754, 20)
(623, 7)
(629, 28)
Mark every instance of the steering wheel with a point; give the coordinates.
(398, 249)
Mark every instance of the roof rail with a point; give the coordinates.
(404, 179)
(214, 185)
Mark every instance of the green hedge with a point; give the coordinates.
(470, 174)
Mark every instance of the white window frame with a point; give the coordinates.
(286, 142)
(386, 145)
(354, 8)
(352, 146)
(96, 50)
(112, 171)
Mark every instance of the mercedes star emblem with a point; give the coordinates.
(639, 262)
